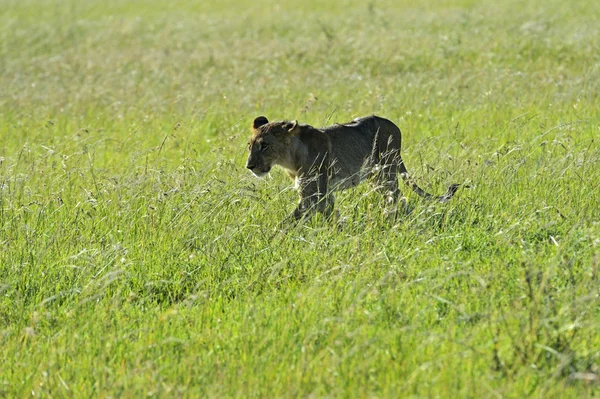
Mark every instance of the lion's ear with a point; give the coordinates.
(292, 127)
(258, 122)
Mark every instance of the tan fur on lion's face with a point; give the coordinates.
(269, 145)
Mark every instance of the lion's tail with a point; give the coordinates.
(409, 181)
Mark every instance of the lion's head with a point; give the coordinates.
(269, 144)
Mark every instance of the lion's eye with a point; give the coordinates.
(264, 146)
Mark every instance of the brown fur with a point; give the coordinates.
(332, 158)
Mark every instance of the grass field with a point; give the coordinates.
(139, 258)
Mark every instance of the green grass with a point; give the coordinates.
(139, 258)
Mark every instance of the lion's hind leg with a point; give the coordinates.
(387, 181)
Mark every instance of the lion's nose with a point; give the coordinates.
(250, 165)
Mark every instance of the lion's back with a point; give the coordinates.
(353, 143)
(363, 130)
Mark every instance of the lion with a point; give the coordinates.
(333, 158)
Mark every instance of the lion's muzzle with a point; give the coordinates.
(256, 169)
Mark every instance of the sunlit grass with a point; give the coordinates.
(139, 258)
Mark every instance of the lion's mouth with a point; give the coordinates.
(261, 172)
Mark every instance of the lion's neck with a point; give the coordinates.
(292, 159)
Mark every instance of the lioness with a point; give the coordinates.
(332, 158)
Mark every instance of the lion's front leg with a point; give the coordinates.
(313, 197)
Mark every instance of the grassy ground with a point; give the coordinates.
(139, 258)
